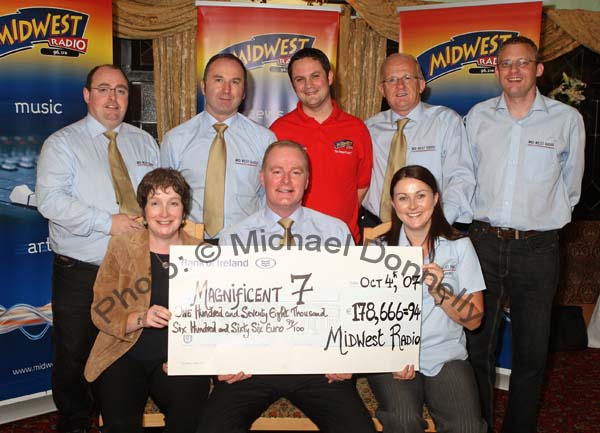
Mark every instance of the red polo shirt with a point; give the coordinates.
(341, 157)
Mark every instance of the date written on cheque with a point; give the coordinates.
(386, 312)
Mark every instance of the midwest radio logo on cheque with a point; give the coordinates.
(60, 30)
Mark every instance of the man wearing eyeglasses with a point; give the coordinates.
(76, 191)
(528, 153)
(434, 137)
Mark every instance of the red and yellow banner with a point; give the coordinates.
(264, 38)
(456, 45)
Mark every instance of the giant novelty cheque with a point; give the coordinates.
(329, 309)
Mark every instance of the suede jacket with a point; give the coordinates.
(123, 286)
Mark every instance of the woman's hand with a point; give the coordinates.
(433, 276)
(232, 378)
(156, 316)
(407, 373)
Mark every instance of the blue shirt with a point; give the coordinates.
(74, 187)
(442, 339)
(306, 222)
(187, 146)
(529, 170)
(436, 140)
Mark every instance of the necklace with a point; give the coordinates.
(165, 265)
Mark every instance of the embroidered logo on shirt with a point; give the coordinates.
(248, 162)
(449, 269)
(343, 146)
(540, 143)
(422, 148)
(144, 164)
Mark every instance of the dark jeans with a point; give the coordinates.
(73, 337)
(333, 407)
(123, 389)
(526, 272)
(451, 398)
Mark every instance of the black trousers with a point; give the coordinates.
(123, 389)
(73, 336)
(334, 407)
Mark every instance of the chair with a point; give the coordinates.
(372, 233)
(194, 229)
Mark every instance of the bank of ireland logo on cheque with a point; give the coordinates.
(275, 48)
(61, 30)
(477, 48)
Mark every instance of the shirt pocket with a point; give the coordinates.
(541, 160)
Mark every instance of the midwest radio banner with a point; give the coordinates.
(46, 49)
(264, 38)
(456, 46)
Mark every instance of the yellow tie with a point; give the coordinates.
(214, 186)
(396, 160)
(288, 239)
(121, 182)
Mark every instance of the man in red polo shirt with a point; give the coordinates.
(338, 144)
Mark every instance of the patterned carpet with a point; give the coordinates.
(570, 401)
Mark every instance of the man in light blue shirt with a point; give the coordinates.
(528, 152)
(75, 192)
(187, 146)
(435, 138)
(238, 399)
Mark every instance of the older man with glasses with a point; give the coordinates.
(412, 132)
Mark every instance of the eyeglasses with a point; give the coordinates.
(105, 90)
(406, 79)
(521, 63)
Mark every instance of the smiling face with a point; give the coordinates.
(108, 109)
(223, 88)
(402, 95)
(518, 82)
(311, 83)
(284, 178)
(164, 214)
(414, 201)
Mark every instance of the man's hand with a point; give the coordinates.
(122, 224)
(232, 378)
(337, 377)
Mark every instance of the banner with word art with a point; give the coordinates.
(456, 45)
(47, 48)
(264, 37)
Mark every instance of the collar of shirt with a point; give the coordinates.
(95, 128)
(271, 216)
(538, 104)
(229, 121)
(404, 242)
(332, 117)
(414, 115)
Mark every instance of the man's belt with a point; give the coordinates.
(507, 233)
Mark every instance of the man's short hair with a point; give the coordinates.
(289, 144)
(520, 40)
(90, 75)
(310, 53)
(228, 56)
(404, 56)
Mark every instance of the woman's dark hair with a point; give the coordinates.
(440, 227)
(163, 178)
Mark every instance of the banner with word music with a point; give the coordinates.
(319, 309)
(47, 48)
(264, 37)
(456, 45)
